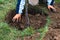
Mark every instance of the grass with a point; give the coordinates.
(57, 1)
(9, 33)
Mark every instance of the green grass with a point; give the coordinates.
(57, 1)
(9, 33)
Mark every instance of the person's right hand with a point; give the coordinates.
(16, 17)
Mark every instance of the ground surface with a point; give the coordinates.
(54, 27)
(37, 21)
(8, 32)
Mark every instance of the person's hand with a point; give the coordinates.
(16, 17)
(51, 7)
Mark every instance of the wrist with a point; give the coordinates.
(48, 5)
(18, 14)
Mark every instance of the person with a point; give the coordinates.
(21, 4)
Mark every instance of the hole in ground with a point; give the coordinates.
(36, 20)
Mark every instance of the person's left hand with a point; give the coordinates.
(51, 7)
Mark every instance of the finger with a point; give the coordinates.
(17, 20)
(53, 9)
(48, 7)
(13, 20)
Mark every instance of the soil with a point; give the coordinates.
(33, 37)
(37, 21)
(54, 27)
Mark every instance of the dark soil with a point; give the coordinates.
(53, 34)
(37, 20)
(54, 27)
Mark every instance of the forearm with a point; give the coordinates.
(20, 6)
